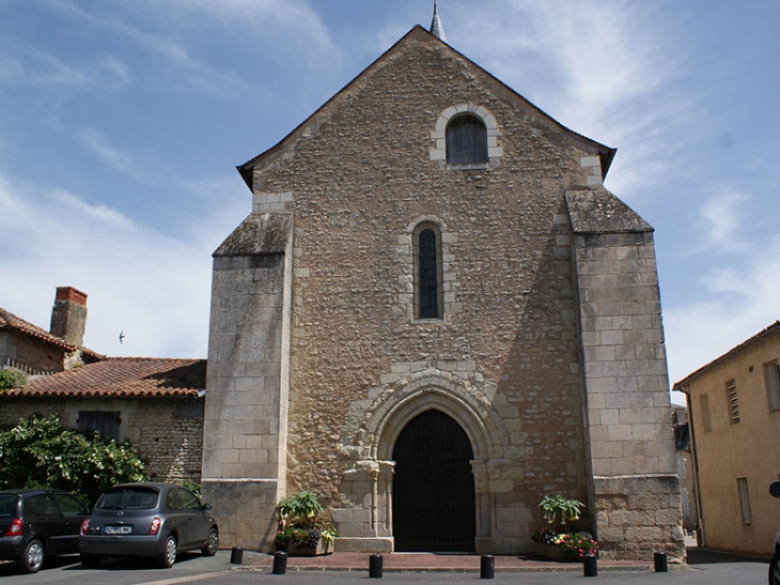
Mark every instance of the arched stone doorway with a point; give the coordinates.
(433, 486)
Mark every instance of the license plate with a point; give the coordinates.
(118, 530)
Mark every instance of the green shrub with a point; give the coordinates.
(578, 544)
(12, 378)
(300, 521)
(40, 453)
(300, 509)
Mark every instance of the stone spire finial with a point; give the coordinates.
(436, 28)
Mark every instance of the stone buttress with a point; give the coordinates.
(245, 427)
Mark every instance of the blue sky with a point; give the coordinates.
(121, 124)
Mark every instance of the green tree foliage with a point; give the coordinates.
(12, 378)
(40, 453)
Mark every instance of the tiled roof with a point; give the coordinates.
(121, 378)
(10, 321)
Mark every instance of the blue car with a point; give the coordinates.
(35, 524)
(156, 520)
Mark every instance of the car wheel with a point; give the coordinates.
(212, 544)
(32, 559)
(168, 555)
(89, 562)
(774, 570)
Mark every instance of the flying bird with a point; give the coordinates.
(122, 336)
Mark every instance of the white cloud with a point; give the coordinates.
(602, 68)
(742, 302)
(153, 286)
(105, 216)
(23, 65)
(722, 214)
(113, 157)
(296, 15)
(116, 67)
(175, 54)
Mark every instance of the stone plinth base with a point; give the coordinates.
(365, 545)
(637, 515)
(245, 511)
(502, 545)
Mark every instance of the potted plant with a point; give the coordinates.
(555, 541)
(302, 531)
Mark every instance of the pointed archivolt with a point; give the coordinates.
(437, 29)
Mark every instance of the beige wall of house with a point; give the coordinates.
(736, 433)
(167, 432)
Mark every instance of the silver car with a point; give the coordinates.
(156, 520)
(774, 565)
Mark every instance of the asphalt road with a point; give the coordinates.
(192, 568)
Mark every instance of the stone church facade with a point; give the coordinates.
(435, 315)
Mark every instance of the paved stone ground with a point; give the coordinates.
(440, 562)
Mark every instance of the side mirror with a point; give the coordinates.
(774, 489)
(207, 507)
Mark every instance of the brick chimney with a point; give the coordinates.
(69, 315)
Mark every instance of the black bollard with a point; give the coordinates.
(659, 560)
(487, 567)
(589, 566)
(375, 567)
(280, 563)
(236, 554)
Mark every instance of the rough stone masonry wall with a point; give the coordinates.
(636, 491)
(360, 177)
(170, 439)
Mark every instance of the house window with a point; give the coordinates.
(772, 376)
(104, 422)
(733, 401)
(466, 141)
(706, 423)
(428, 272)
(685, 505)
(744, 501)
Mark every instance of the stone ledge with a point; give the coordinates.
(374, 544)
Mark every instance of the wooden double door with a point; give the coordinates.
(433, 487)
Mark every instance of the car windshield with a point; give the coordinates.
(128, 498)
(8, 505)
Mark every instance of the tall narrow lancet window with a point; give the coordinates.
(428, 273)
(466, 141)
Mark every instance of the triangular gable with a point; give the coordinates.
(11, 322)
(418, 33)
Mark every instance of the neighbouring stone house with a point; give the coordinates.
(34, 350)
(734, 417)
(157, 404)
(434, 315)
